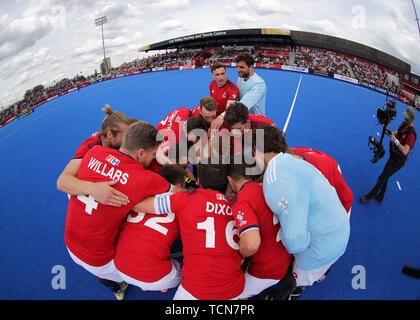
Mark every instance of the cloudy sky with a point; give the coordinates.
(46, 40)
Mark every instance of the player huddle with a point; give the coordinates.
(255, 217)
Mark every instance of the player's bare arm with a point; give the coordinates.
(250, 242)
(103, 192)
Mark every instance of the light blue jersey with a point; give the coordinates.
(314, 224)
(252, 93)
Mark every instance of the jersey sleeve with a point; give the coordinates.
(245, 217)
(233, 93)
(185, 114)
(83, 149)
(86, 146)
(195, 112)
(289, 201)
(252, 96)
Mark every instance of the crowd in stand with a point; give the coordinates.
(227, 54)
(321, 60)
(318, 59)
(37, 97)
(273, 55)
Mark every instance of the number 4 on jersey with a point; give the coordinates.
(90, 203)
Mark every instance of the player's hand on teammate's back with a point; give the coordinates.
(217, 123)
(104, 193)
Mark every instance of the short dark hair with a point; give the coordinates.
(274, 140)
(196, 123)
(173, 173)
(209, 103)
(237, 112)
(238, 171)
(217, 65)
(213, 176)
(140, 135)
(245, 57)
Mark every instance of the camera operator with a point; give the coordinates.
(401, 142)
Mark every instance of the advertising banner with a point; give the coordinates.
(187, 67)
(268, 66)
(345, 78)
(294, 68)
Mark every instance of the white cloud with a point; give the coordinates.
(267, 7)
(321, 26)
(247, 13)
(167, 4)
(241, 19)
(25, 62)
(171, 25)
(18, 34)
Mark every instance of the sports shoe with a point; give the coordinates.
(365, 199)
(120, 293)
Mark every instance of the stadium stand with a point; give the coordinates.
(317, 60)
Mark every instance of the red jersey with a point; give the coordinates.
(155, 166)
(212, 264)
(92, 228)
(331, 171)
(222, 94)
(259, 121)
(171, 125)
(94, 140)
(250, 211)
(195, 112)
(143, 246)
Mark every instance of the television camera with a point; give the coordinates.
(385, 115)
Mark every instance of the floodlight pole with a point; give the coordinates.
(100, 22)
(417, 18)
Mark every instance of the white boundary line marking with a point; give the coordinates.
(292, 107)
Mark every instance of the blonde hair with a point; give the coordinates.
(113, 120)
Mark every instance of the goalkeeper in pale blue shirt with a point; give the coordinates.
(314, 224)
(252, 88)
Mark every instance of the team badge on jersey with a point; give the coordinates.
(220, 196)
(240, 217)
(284, 205)
(112, 160)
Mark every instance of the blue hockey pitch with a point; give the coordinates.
(329, 115)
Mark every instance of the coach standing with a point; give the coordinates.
(252, 88)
